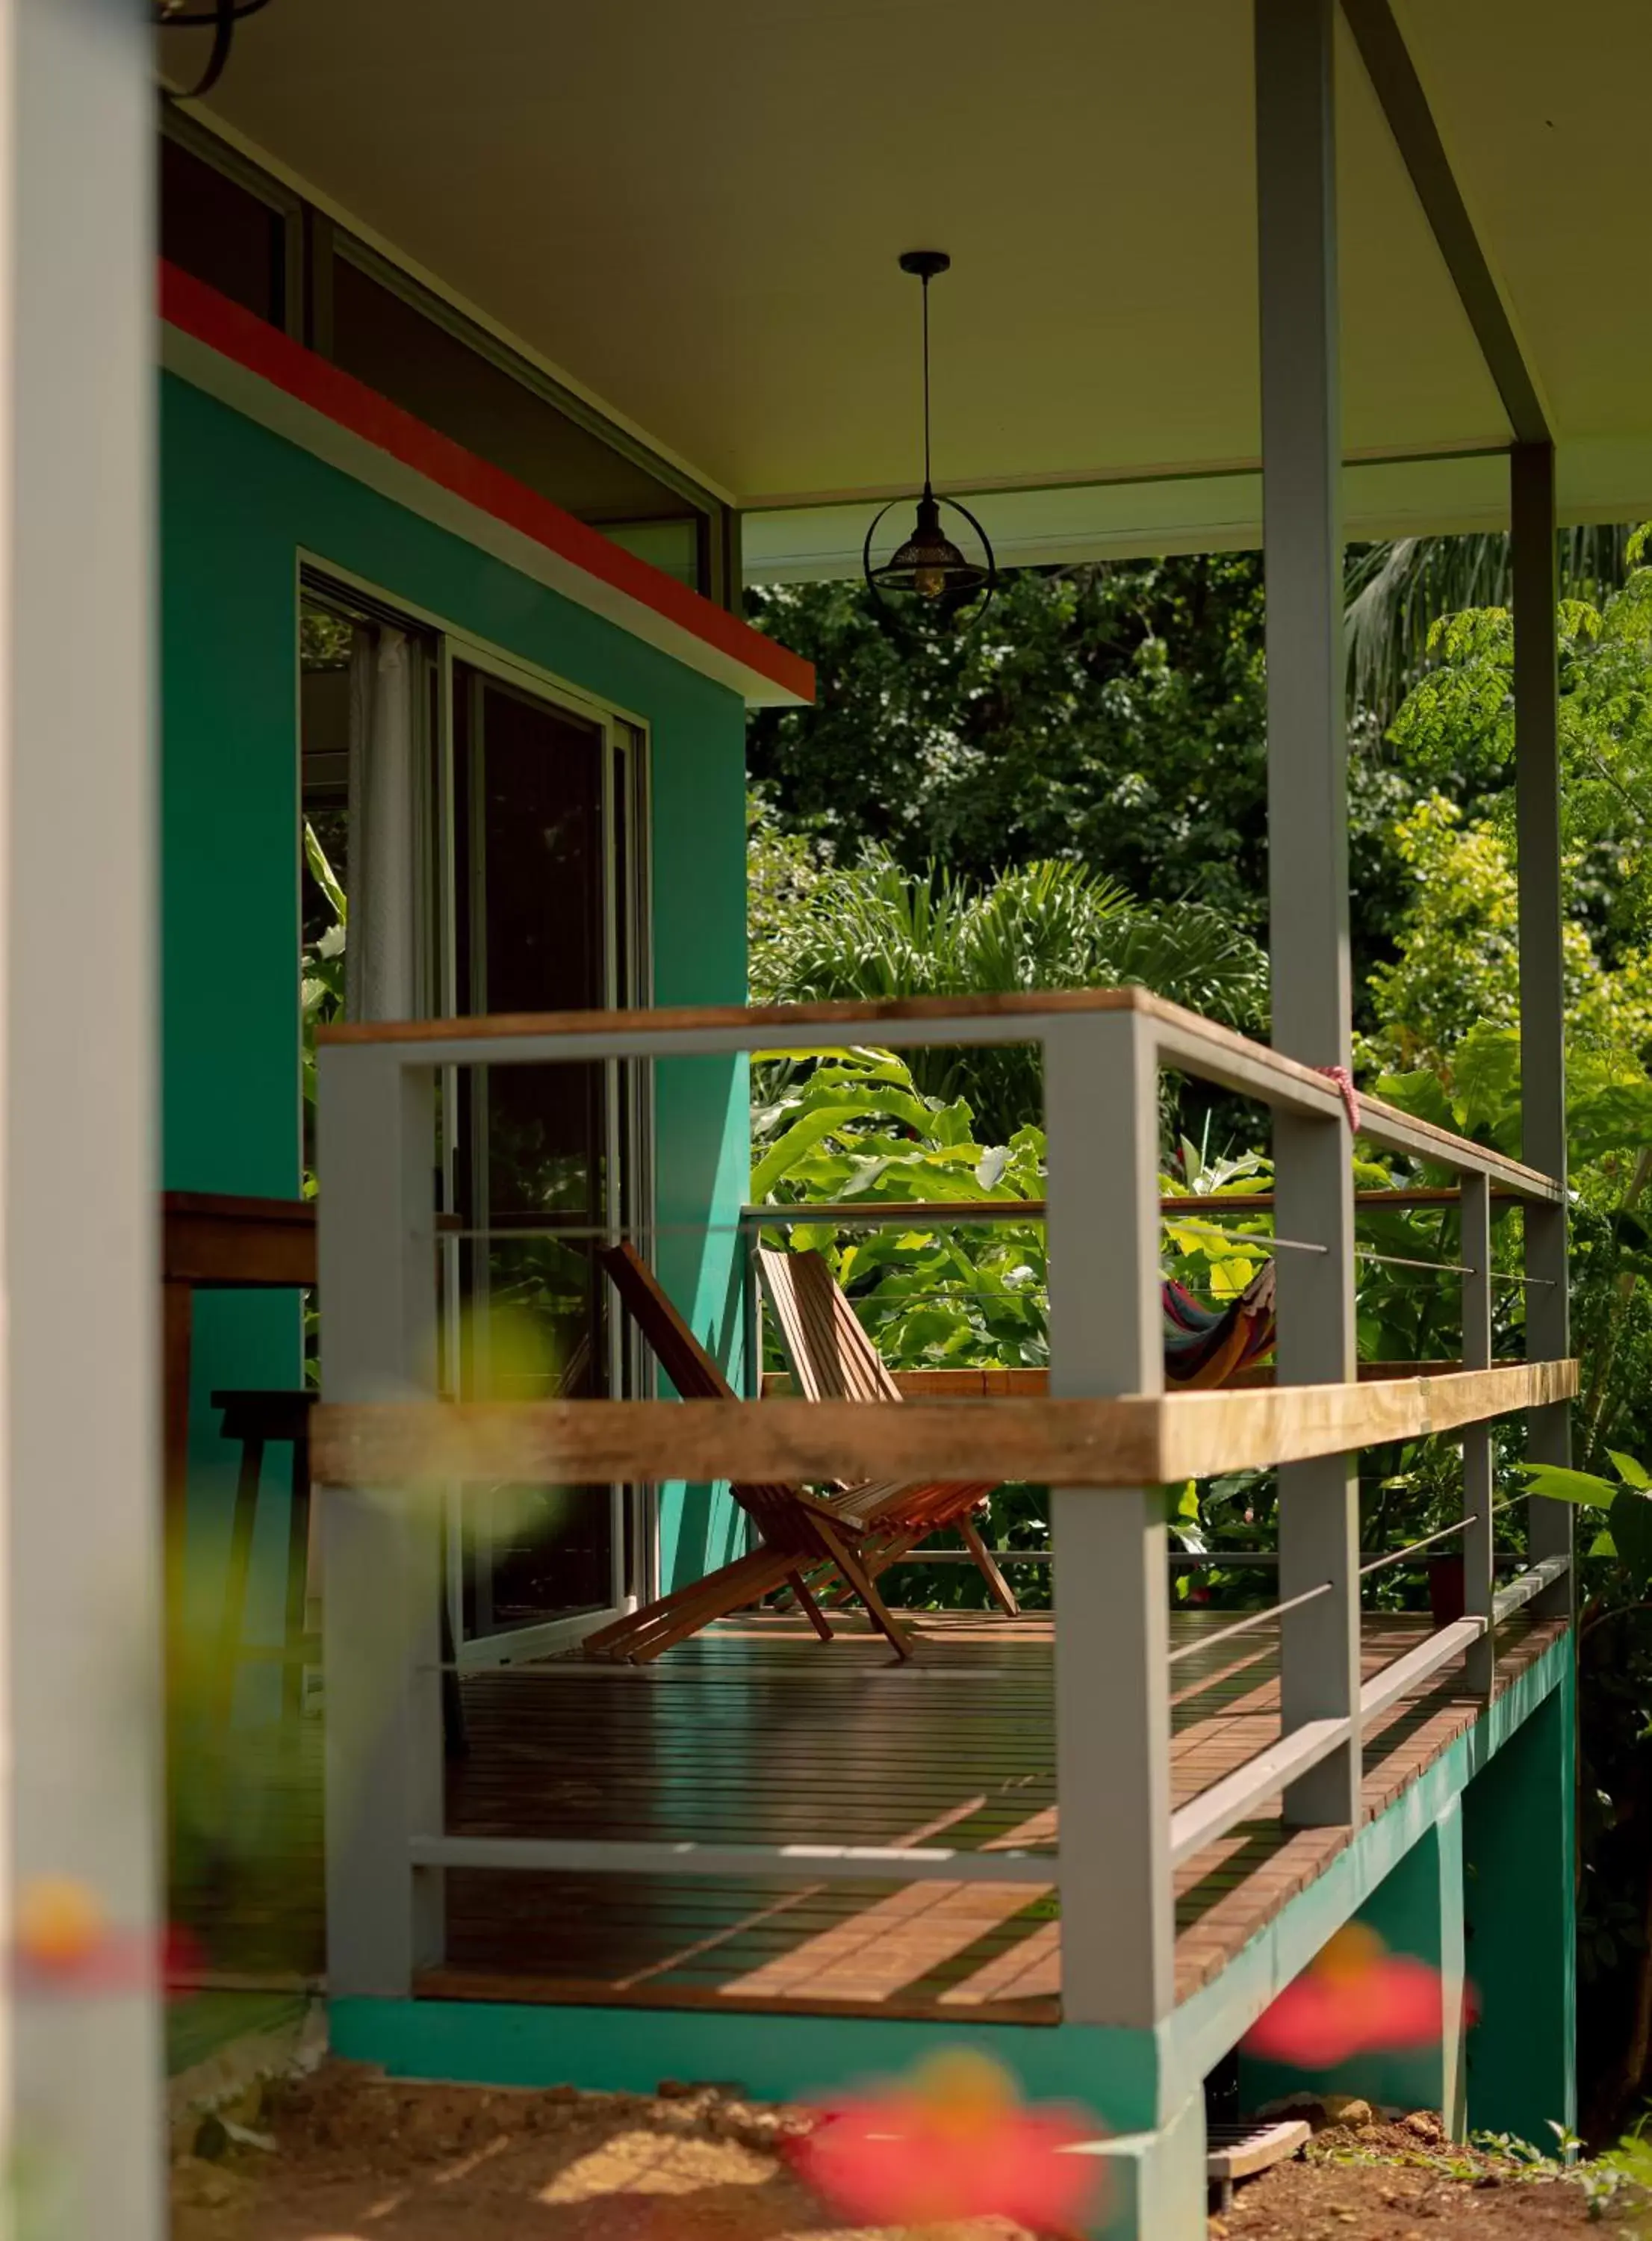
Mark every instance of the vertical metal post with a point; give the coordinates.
(1475, 1239)
(748, 1238)
(382, 1573)
(1307, 849)
(82, 2112)
(1111, 1647)
(722, 572)
(1542, 983)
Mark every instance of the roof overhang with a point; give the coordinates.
(224, 350)
(694, 214)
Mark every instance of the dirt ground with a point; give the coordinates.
(1404, 2182)
(349, 2156)
(345, 2156)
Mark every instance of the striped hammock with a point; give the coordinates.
(1207, 1346)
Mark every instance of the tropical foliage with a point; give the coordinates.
(873, 930)
(1397, 592)
(321, 982)
(1455, 960)
(1112, 716)
(837, 1127)
(1109, 719)
(854, 1127)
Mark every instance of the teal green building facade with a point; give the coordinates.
(1470, 1868)
(242, 508)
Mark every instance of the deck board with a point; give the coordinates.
(754, 1733)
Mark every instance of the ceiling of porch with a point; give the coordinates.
(693, 214)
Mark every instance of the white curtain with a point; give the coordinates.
(380, 954)
(381, 978)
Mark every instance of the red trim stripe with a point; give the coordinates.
(249, 342)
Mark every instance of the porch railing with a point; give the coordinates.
(1106, 1438)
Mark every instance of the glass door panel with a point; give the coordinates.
(538, 797)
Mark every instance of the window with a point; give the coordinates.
(366, 688)
(218, 229)
(261, 245)
(224, 220)
(488, 832)
(398, 348)
(673, 547)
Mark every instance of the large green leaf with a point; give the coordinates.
(1555, 1483)
(1485, 1074)
(1421, 1093)
(323, 873)
(798, 1139)
(1606, 1118)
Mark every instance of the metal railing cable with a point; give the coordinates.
(1445, 1532)
(1253, 1618)
(1399, 1555)
(1193, 1559)
(1256, 1240)
(1460, 1525)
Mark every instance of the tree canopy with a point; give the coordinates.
(1113, 714)
(1016, 807)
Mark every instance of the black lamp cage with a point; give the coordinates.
(220, 18)
(928, 564)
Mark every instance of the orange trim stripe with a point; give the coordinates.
(249, 342)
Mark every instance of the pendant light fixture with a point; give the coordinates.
(218, 17)
(929, 566)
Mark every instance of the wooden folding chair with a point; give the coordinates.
(833, 1358)
(799, 1532)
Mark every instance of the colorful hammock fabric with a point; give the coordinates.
(1206, 1345)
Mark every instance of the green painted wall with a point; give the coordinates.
(1204, 2028)
(1519, 1826)
(238, 507)
(1417, 1910)
(1111, 2075)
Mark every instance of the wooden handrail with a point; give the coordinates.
(1182, 1041)
(893, 1212)
(689, 1018)
(1137, 1440)
(991, 1384)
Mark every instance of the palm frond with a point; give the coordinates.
(874, 930)
(1396, 592)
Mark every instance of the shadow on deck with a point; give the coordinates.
(752, 1733)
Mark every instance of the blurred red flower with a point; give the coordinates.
(1355, 1998)
(65, 1944)
(953, 2141)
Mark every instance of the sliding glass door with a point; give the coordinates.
(488, 830)
(543, 813)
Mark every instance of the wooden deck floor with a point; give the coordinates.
(755, 1733)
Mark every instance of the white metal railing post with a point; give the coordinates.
(381, 1550)
(1308, 853)
(1534, 555)
(1112, 1627)
(82, 2081)
(1475, 1241)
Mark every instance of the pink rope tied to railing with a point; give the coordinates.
(1344, 1081)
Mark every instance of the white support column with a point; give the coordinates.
(80, 1504)
(382, 1577)
(1112, 1647)
(1478, 1488)
(1307, 848)
(1542, 984)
